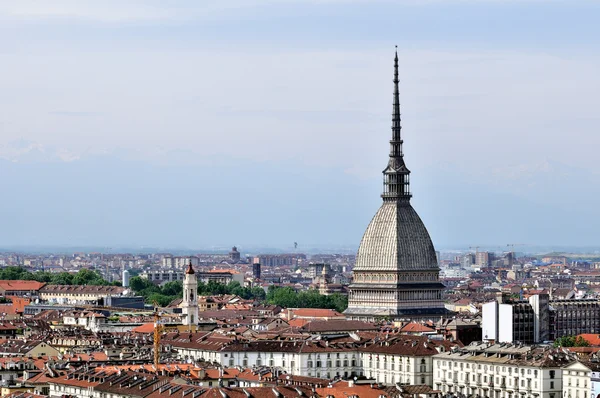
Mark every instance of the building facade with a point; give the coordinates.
(500, 371)
(581, 379)
(396, 273)
(539, 319)
(404, 359)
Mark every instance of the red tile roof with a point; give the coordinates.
(593, 339)
(145, 328)
(9, 286)
(415, 327)
(315, 313)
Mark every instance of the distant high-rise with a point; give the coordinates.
(256, 269)
(396, 273)
(483, 259)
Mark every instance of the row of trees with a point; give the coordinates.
(288, 297)
(282, 296)
(83, 277)
(170, 291)
(571, 341)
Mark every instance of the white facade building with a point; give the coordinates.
(401, 359)
(501, 371)
(581, 379)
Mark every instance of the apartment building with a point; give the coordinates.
(501, 371)
(401, 359)
(581, 379)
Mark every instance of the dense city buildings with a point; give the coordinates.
(539, 318)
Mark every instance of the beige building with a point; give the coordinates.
(75, 294)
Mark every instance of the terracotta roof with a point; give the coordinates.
(21, 285)
(343, 389)
(408, 345)
(21, 394)
(593, 339)
(298, 322)
(315, 313)
(145, 328)
(337, 325)
(415, 327)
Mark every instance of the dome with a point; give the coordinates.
(396, 240)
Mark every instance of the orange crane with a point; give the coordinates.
(157, 332)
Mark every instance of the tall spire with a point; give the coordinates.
(396, 150)
(395, 176)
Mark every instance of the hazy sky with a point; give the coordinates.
(251, 122)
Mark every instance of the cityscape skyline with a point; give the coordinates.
(185, 186)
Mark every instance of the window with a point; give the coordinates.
(552, 373)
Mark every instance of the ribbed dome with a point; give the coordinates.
(396, 240)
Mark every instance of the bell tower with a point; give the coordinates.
(189, 304)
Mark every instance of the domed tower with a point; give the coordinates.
(396, 273)
(234, 254)
(189, 305)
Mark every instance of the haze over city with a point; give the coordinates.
(194, 124)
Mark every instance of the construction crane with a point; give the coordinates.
(157, 332)
(512, 247)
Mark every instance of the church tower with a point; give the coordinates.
(396, 275)
(189, 304)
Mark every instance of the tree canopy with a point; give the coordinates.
(82, 277)
(288, 297)
(571, 341)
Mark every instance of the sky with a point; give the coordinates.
(261, 123)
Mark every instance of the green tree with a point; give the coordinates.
(62, 278)
(138, 283)
(42, 276)
(571, 341)
(15, 273)
(174, 288)
(161, 299)
(339, 302)
(88, 277)
(258, 293)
